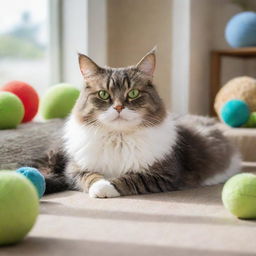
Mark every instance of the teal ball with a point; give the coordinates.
(235, 113)
(58, 101)
(35, 177)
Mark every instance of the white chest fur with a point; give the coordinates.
(115, 153)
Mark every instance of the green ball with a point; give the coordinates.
(11, 110)
(58, 101)
(251, 123)
(19, 207)
(239, 195)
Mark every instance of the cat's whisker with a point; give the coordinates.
(148, 123)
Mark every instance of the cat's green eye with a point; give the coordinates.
(133, 94)
(104, 95)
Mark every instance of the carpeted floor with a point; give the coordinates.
(191, 222)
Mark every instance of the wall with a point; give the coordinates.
(180, 59)
(135, 27)
(200, 45)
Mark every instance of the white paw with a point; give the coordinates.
(103, 188)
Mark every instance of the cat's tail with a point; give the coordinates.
(52, 166)
(54, 172)
(56, 183)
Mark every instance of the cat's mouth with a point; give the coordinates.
(127, 119)
(119, 118)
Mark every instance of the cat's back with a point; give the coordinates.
(201, 147)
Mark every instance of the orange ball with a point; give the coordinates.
(27, 95)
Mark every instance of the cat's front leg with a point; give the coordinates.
(92, 182)
(103, 189)
(133, 184)
(95, 184)
(144, 183)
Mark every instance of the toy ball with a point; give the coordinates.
(19, 207)
(27, 95)
(241, 88)
(235, 113)
(58, 101)
(251, 122)
(35, 177)
(240, 30)
(11, 110)
(239, 195)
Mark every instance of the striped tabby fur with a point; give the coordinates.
(126, 146)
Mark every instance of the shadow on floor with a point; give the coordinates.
(210, 195)
(40, 246)
(58, 209)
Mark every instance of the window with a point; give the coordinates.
(24, 43)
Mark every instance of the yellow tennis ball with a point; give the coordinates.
(58, 101)
(19, 207)
(11, 110)
(239, 195)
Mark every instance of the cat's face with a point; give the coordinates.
(119, 98)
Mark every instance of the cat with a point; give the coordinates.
(120, 140)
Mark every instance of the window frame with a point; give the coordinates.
(76, 26)
(55, 30)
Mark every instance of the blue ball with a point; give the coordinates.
(241, 30)
(235, 113)
(35, 177)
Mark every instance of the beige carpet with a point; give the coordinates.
(191, 222)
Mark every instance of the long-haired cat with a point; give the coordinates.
(120, 140)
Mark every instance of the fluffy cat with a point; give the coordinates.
(120, 140)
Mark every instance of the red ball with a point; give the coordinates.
(27, 95)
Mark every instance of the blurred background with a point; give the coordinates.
(39, 41)
(24, 42)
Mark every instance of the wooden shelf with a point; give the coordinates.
(237, 52)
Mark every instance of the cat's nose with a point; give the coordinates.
(119, 108)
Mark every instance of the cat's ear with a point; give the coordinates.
(147, 64)
(87, 66)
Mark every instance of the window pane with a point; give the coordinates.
(24, 42)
